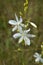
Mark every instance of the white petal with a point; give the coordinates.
(27, 30)
(20, 19)
(34, 55)
(20, 29)
(12, 22)
(33, 24)
(16, 35)
(16, 17)
(22, 25)
(15, 28)
(41, 60)
(37, 55)
(27, 41)
(20, 40)
(31, 35)
(37, 60)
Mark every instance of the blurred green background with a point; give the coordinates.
(12, 53)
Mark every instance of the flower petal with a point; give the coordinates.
(36, 55)
(16, 35)
(15, 28)
(12, 22)
(20, 19)
(22, 25)
(37, 60)
(27, 41)
(30, 35)
(27, 30)
(33, 24)
(16, 17)
(20, 40)
(41, 60)
(20, 28)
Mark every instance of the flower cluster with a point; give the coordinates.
(22, 34)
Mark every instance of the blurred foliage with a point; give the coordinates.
(10, 52)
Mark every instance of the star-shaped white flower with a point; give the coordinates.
(17, 24)
(23, 35)
(38, 57)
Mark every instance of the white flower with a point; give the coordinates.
(23, 35)
(33, 24)
(17, 24)
(38, 57)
